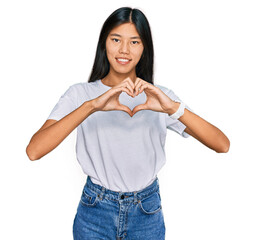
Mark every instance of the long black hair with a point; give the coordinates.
(144, 68)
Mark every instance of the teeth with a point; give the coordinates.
(122, 60)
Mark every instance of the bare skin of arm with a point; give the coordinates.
(203, 131)
(53, 132)
(197, 127)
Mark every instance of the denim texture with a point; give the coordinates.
(104, 214)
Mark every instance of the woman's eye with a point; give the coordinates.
(135, 42)
(115, 40)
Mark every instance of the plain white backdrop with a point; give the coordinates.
(204, 51)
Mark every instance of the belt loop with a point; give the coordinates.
(102, 192)
(135, 197)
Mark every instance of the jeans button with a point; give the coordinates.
(122, 197)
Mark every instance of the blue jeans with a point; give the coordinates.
(104, 214)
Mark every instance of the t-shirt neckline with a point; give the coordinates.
(103, 85)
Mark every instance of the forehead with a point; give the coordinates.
(125, 30)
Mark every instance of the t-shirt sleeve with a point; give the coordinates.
(65, 105)
(174, 124)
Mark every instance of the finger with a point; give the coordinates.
(129, 80)
(145, 86)
(124, 89)
(125, 109)
(129, 84)
(126, 85)
(139, 108)
(137, 88)
(138, 83)
(141, 87)
(139, 80)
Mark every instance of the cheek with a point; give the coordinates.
(109, 48)
(111, 53)
(139, 54)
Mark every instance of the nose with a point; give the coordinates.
(124, 48)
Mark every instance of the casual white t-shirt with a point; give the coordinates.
(119, 152)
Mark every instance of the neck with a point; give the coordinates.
(113, 79)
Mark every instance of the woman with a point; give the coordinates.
(119, 149)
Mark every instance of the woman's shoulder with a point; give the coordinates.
(81, 86)
(168, 91)
(163, 88)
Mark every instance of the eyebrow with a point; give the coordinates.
(118, 35)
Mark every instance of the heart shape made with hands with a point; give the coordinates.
(155, 99)
(152, 99)
(132, 102)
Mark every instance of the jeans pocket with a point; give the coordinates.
(88, 198)
(151, 204)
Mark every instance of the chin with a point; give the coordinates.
(123, 71)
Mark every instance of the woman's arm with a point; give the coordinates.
(53, 132)
(202, 130)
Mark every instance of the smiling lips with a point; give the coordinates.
(123, 61)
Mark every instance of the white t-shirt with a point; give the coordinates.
(119, 152)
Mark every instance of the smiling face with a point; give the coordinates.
(124, 49)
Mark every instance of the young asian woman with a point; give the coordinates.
(121, 118)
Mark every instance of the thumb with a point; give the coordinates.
(125, 109)
(139, 108)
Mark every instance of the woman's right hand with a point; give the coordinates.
(109, 101)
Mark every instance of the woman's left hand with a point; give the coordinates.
(196, 126)
(156, 99)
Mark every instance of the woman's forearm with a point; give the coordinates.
(202, 130)
(47, 139)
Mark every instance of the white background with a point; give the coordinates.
(204, 51)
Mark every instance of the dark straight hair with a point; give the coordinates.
(144, 68)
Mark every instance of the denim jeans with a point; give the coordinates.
(104, 214)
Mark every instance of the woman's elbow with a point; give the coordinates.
(31, 154)
(224, 147)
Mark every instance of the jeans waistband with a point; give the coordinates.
(122, 196)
